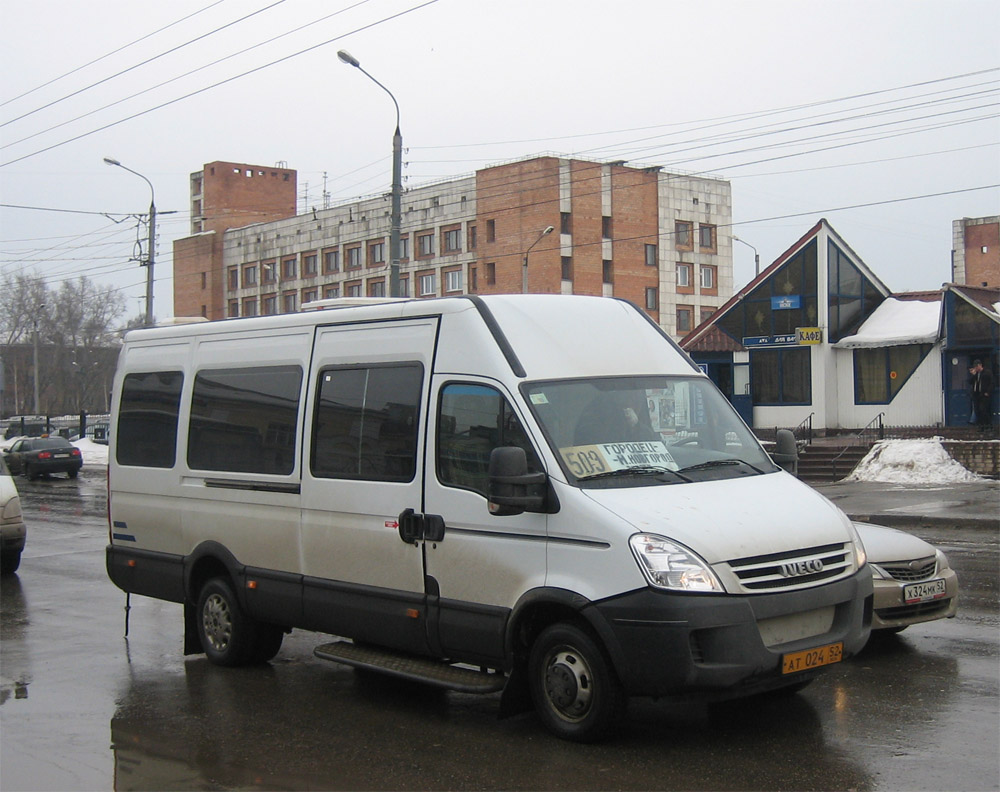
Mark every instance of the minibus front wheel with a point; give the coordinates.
(573, 685)
(228, 636)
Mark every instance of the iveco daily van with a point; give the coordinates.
(538, 493)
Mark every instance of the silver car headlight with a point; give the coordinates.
(669, 565)
(860, 554)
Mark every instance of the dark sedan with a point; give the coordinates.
(34, 456)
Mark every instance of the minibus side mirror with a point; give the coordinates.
(512, 489)
(786, 451)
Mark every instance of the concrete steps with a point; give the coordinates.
(829, 463)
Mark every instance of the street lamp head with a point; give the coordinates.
(548, 230)
(109, 161)
(349, 59)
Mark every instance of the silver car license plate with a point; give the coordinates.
(922, 592)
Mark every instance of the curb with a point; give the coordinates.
(903, 520)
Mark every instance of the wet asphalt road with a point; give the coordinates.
(81, 708)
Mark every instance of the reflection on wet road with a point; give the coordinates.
(82, 708)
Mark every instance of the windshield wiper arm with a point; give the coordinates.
(721, 463)
(637, 470)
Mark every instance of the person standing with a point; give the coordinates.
(981, 386)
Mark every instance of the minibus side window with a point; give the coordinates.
(147, 419)
(365, 425)
(472, 421)
(243, 420)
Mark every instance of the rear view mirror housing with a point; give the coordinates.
(512, 489)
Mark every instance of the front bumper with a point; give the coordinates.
(711, 646)
(893, 613)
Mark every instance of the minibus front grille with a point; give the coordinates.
(795, 569)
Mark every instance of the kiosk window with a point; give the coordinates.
(147, 419)
(366, 423)
(472, 421)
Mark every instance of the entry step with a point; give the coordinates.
(414, 667)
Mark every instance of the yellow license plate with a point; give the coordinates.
(812, 658)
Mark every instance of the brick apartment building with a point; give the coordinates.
(975, 255)
(658, 239)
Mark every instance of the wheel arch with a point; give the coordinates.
(207, 561)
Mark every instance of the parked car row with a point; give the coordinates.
(36, 456)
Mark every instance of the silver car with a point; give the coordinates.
(12, 531)
(913, 580)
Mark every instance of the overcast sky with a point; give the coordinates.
(808, 108)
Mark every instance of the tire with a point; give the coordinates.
(227, 635)
(573, 685)
(9, 562)
(72, 473)
(30, 474)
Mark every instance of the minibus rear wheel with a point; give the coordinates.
(573, 685)
(227, 634)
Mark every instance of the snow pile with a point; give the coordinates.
(911, 462)
(93, 453)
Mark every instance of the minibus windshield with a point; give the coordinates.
(641, 431)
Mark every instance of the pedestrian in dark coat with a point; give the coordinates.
(981, 387)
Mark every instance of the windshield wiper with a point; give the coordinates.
(712, 463)
(637, 470)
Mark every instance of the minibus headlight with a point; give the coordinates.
(669, 565)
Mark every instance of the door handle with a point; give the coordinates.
(413, 527)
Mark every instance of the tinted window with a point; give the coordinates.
(366, 423)
(243, 420)
(472, 421)
(147, 419)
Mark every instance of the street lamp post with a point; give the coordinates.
(37, 407)
(756, 256)
(524, 266)
(151, 245)
(395, 217)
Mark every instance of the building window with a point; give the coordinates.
(606, 227)
(250, 306)
(473, 279)
(288, 269)
(685, 314)
(376, 253)
(472, 237)
(234, 278)
(683, 276)
(309, 295)
(652, 299)
(204, 281)
(651, 256)
(250, 276)
(352, 290)
(565, 223)
(781, 376)
(852, 296)
(331, 261)
(309, 265)
(404, 287)
(607, 272)
(706, 237)
(706, 314)
(376, 288)
(425, 245)
(491, 230)
(234, 309)
(354, 257)
(331, 292)
(880, 373)
(491, 273)
(404, 248)
(427, 286)
(707, 277)
(453, 281)
(682, 235)
(269, 304)
(452, 240)
(289, 302)
(567, 268)
(267, 271)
